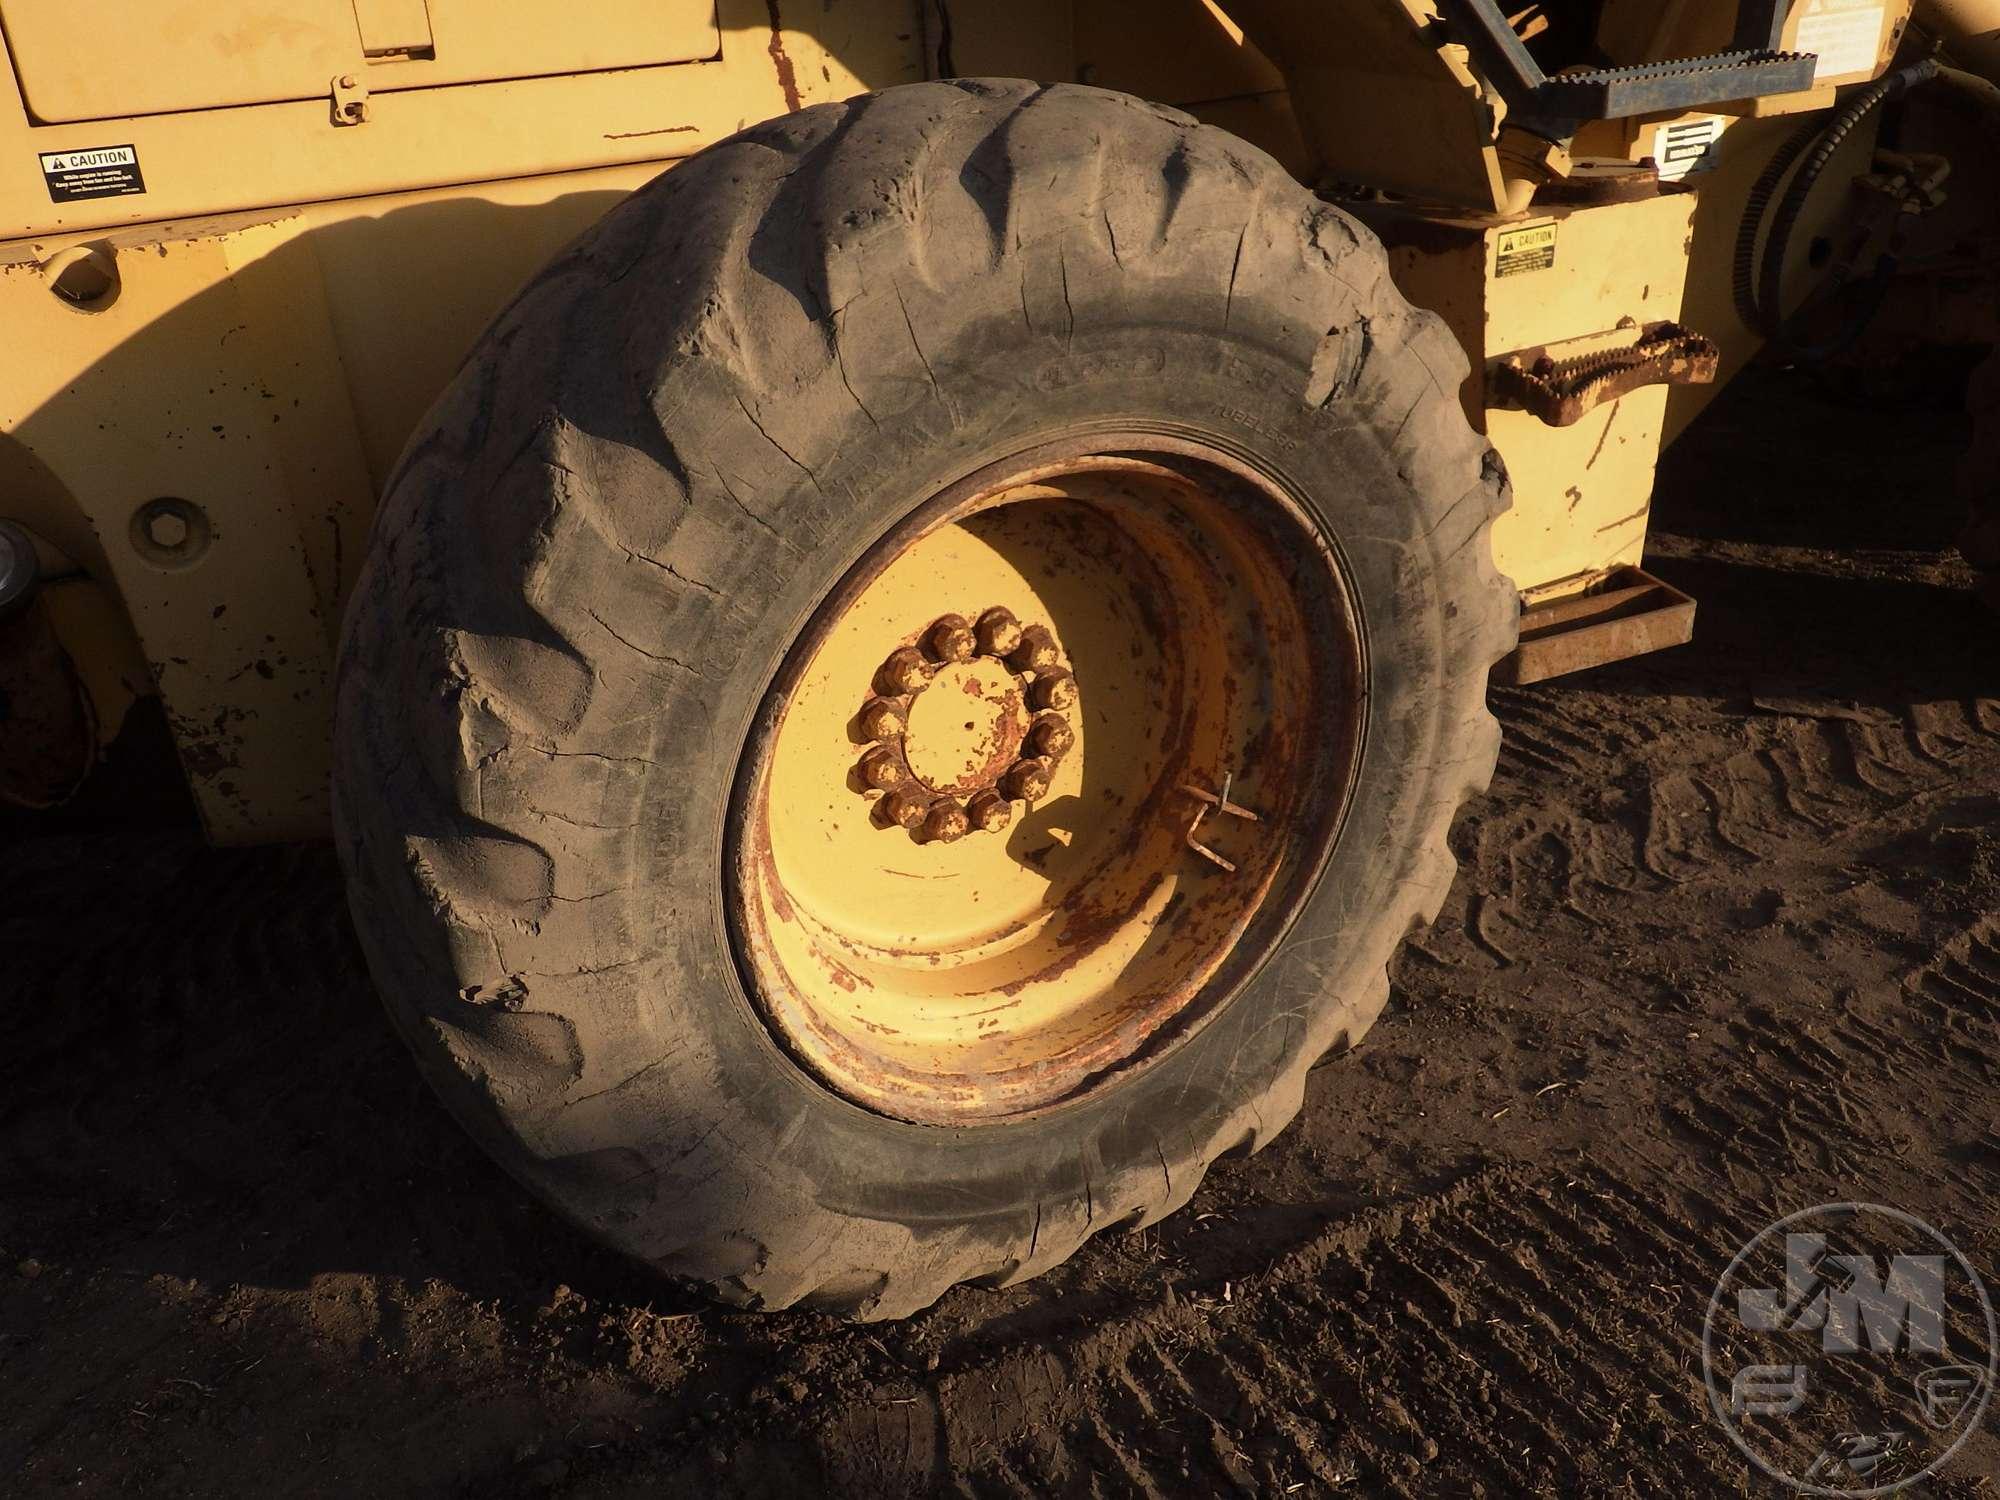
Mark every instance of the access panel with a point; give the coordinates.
(120, 58)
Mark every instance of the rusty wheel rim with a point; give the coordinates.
(1148, 656)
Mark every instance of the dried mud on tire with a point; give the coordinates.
(1724, 944)
(658, 463)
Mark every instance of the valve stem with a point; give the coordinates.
(1209, 803)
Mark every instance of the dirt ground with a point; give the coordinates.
(1725, 943)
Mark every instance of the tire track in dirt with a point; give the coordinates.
(1725, 943)
(1748, 806)
(1785, 814)
(1512, 1321)
(1745, 788)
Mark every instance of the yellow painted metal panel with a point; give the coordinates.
(1176, 51)
(1022, 39)
(457, 259)
(1382, 97)
(476, 41)
(1582, 494)
(166, 402)
(142, 58)
(392, 27)
(264, 369)
(215, 161)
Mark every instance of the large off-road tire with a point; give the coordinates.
(658, 465)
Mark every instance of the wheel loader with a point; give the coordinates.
(890, 604)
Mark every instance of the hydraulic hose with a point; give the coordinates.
(1760, 288)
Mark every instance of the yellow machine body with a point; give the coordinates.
(289, 292)
(245, 243)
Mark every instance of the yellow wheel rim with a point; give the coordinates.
(1044, 779)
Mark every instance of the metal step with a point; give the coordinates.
(1756, 68)
(1626, 613)
(1695, 83)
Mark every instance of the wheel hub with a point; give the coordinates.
(966, 726)
(1158, 622)
(966, 729)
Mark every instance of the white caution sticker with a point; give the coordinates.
(1532, 247)
(92, 172)
(1846, 34)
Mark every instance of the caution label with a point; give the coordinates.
(1532, 247)
(94, 172)
(1847, 35)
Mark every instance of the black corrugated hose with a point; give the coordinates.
(1760, 297)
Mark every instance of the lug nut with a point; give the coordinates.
(884, 719)
(1037, 651)
(946, 822)
(883, 768)
(905, 672)
(951, 639)
(990, 812)
(998, 632)
(1051, 735)
(1028, 780)
(1053, 690)
(906, 809)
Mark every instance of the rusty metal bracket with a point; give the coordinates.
(350, 100)
(1218, 804)
(1626, 612)
(1562, 382)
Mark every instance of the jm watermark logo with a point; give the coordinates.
(1850, 1350)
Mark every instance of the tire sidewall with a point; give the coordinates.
(790, 1132)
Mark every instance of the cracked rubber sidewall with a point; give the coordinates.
(533, 810)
